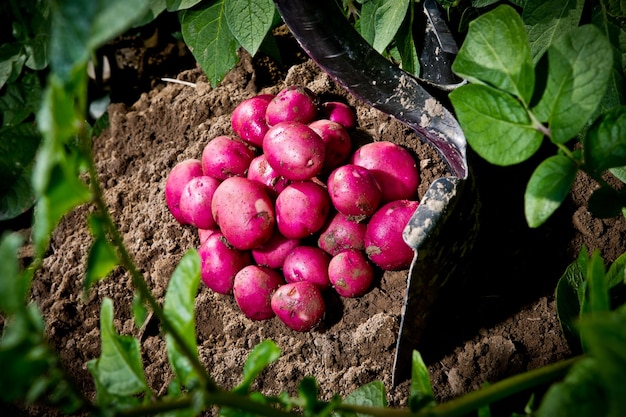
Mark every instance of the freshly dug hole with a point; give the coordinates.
(355, 342)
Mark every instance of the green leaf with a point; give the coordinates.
(372, 394)
(19, 197)
(367, 23)
(211, 42)
(547, 188)
(496, 52)
(112, 18)
(617, 272)
(179, 310)
(569, 294)
(20, 100)
(605, 143)
(421, 392)
(409, 59)
(596, 298)
(260, 358)
(119, 369)
(496, 125)
(605, 339)
(102, 257)
(12, 58)
(139, 310)
(18, 147)
(388, 18)
(545, 21)
(620, 173)
(249, 21)
(580, 394)
(176, 5)
(578, 73)
(12, 290)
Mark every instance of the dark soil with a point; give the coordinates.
(498, 320)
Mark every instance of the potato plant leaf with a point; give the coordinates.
(596, 298)
(261, 356)
(178, 307)
(12, 292)
(605, 339)
(12, 61)
(102, 258)
(569, 294)
(176, 5)
(547, 188)
(206, 33)
(547, 20)
(496, 52)
(405, 42)
(579, 66)
(421, 390)
(19, 197)
(387, 20)
(119, 369)
(371, 394)
(249, 21)
(604, 144)
(620, 173)
(581, 393)
(496, 125)
(616, 274)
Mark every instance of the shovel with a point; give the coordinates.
(443, 227)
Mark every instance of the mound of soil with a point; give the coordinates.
(499, 321)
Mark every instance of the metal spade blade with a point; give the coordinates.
(443, 225)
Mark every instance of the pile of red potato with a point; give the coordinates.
(286, 208)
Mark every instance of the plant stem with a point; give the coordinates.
(472, 401)
(137, 278)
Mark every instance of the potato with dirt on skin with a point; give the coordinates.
(176, 181)
(299, 305)
(253, 288)
(244, 212)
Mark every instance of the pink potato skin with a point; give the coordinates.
(195, 202)
(273, 252)
(220, 263)
(350, 273)
(244, 212)
(203, 234)
(176, 180)
(294, 104)
(393, 166)
(337, 140)
(248, 119)
(260, 170)
(339, 112)
(224, 157)
(253, 288)
(383, 238)
(302, 209)
(299, 305)
(307, 263)
(294, 150)
(341, 233)
(354, 190)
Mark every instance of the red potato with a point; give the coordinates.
(294, 104)
(253, 288)
(248, 119)
(337, 140)
(350, 273)
(225, 157)
(307, 263)
(260, 170)
(383, 238)
(195, 202)
(339, 112)
(341, 233)
(273, 252)
(302, 209)
(354, 190)
(294, 150)
(220, 263)
(244, 212)
(299, 305)
(393, 166)
(203, 234)
(176, 180)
